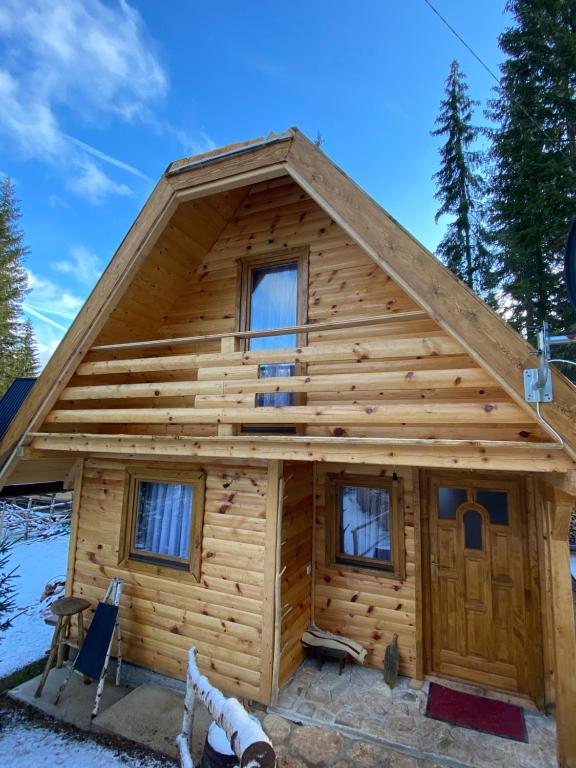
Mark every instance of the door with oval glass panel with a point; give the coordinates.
(480, 623)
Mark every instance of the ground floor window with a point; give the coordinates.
(163, 519)
(365, 527)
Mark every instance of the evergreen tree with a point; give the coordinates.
(461, 188)
(17, 349)
(7, 588)
(534, 161)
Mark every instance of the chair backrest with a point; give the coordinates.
(92, 654)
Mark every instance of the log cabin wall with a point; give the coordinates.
(161, 617)
(295, 564)
(415, 382)
(369, 608)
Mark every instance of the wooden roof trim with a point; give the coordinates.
(217, 154)
(488, 339)
(262, 161)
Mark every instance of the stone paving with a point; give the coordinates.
(369, 725)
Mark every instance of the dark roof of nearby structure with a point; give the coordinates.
(13, 398)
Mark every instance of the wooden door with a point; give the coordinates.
(482, 630)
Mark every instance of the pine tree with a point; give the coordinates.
(17, 348)
(533, 151)
(7, 588)
(461, 188)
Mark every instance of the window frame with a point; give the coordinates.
(368, 566)
(161, 564)
(298, 255)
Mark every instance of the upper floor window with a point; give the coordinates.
(273, 296)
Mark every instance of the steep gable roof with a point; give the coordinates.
(486, 337)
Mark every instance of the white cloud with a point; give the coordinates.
(49, 298)
(93, 184)
(89, 58)
(84, 266)
(51, 308)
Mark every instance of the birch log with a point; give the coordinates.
(250, 744)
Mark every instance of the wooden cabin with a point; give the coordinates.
(278, 408)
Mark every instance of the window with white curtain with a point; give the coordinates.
(365, 523)
(274, 304)
(164, 524)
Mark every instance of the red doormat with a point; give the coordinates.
(476, 712)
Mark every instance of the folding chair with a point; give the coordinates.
(94, 655)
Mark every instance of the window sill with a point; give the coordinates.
(161, 571)
(377, 572)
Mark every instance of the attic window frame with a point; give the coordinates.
(335, 558)
(300, 256)
(150, 562)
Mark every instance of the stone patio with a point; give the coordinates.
(322, 720)
(362, 707)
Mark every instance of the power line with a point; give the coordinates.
(464, 43)
(469, 48)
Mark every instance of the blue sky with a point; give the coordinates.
(98, 96)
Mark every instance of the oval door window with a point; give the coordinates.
(472, 529)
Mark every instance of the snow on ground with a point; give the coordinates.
(29, 637)
(33, 745)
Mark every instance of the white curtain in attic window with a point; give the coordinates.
(163, 519)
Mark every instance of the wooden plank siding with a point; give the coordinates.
(296, 564)
(163, 616)
(368, 608)
(401, 379)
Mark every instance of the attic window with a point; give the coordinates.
(273, 297)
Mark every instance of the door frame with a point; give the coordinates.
(530, 551)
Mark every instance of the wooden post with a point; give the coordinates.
(228, 344)
(249, 742)
(75, 514)
(271, 568)
(559, 506)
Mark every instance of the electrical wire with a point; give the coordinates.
(482, 63)
(560, 360)
(464, 43)
(549, 427)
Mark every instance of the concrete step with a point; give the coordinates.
(151, 716)
(77, 699)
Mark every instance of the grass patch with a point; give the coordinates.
(22, 675)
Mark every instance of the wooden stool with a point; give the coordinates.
(64, 609)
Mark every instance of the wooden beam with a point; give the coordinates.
(332, 325)
(559, 507)
(74, 520)
(564, 483)
(457, 379)
(416, 412)
(486, 337)
(393, 347)
(456, 454)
